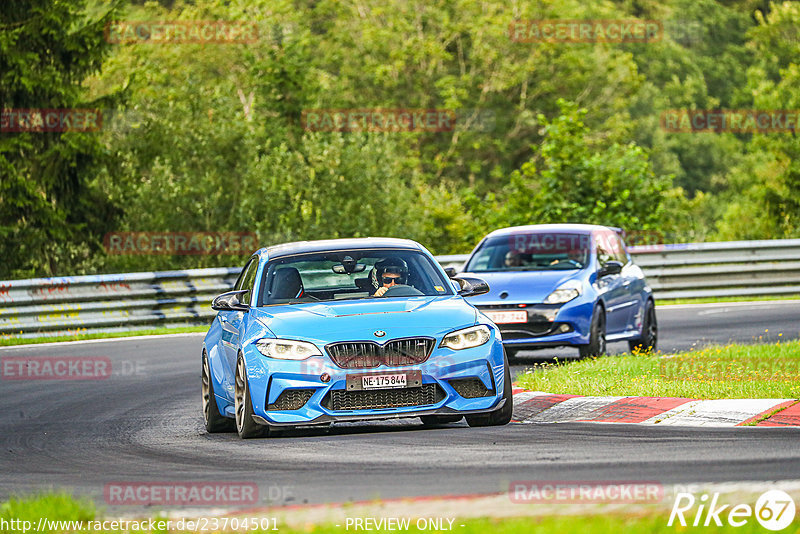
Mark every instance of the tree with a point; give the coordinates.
(766, 197)
(574, 179)
(52, 210)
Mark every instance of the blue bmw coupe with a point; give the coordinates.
(564, 285)
(351, 329)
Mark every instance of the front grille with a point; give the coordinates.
(292, 399)
(340, 399)
(368, 354)
(525, 330)
(470, 388)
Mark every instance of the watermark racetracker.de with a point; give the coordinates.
(690, 368)
(586, 31)
(180, 243)
(397, 120)
(176, 493)
(730, 120)
(50, 120)
(67, 368)
(181, 31)
(140, 526)
(570, 492)
(643, 238)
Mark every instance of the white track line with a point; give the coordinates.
(727, 304)
(572, 409)
(100, 340)
(719, 413)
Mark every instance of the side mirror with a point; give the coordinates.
(450, 271)
(611, 267)
(471, 286)
(229, 301)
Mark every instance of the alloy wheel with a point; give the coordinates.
(241, 386)
(206, 389)
(601, 333)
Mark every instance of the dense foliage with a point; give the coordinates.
(52, 207)
(211, 137)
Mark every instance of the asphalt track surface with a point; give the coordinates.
(143, 423)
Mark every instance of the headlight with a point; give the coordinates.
(287, 349)
(564, 293)
(466, 338)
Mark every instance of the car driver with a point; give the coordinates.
(389, 273)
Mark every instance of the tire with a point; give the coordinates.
(597, 335)
(436, 420)
(511, 354)
(503, 415)
(649, 339)
(246, 426)
(214, 421)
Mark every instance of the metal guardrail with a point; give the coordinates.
(123, 302)
(110, 303)
(725, 269)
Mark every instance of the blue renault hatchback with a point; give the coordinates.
(354, 329)
(563, 285)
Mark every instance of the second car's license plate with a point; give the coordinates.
(505, 317)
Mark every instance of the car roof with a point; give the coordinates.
(328, 245)
(576, 228)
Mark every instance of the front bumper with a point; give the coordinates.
(548, 325)
(269, 378)
(327, 419)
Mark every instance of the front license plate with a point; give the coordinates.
(506, 317)
(384, 381)
(409, 379)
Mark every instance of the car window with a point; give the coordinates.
(240, 280)
(247, 280)
(347, 275)
(620, 254)
(602, 248)
(532, 251)
(317, 275)
(609, 247)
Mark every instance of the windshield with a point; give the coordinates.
(352, 274)
(532, 251)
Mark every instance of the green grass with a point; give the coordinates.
(717, 372)
(64, 507)
(53, 506)
(6, 341)
(715, 300)
(764, 417)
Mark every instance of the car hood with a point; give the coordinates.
(530, 287)
(327, 322)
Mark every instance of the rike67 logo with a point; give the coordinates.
(774, 510)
